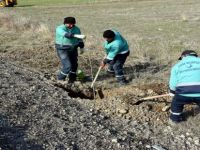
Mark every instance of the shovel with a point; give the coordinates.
(96, 76)
(148, 98)
(153, 97)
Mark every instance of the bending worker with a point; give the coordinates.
(68, 39)
(185, 84)
(117, 51)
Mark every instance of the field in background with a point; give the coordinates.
(157, 31)
(51, 2)
(22, 3)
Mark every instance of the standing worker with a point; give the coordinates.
(117, 51)
(184, 84)
(68, 39)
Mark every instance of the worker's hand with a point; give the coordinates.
(81, 50)
(172, 93)
(102, 64)
(81, 44)
(69, 35)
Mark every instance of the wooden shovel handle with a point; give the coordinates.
(158, 96)
(96, 76)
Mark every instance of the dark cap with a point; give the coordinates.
(188, 53)
(69, 20)
(108, 34)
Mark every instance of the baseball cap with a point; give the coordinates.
(188, 52)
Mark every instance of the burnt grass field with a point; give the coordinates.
(37, 113)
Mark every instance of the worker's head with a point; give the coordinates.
(109, 35)
(69, 22)
(188, 53)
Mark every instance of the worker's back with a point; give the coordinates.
(188, 70)
(186, 76)
(118, 46)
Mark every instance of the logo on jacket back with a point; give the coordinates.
(189, 65)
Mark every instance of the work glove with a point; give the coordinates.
(81, 45)
(69, 35)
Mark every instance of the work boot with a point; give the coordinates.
(72, 78)
(176, 120)
(61, 76)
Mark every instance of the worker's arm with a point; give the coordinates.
(114, 49)
(63, 33)
(80, 37)
(78, 34)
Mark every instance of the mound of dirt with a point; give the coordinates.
(126, 102)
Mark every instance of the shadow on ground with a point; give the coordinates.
(14, 137)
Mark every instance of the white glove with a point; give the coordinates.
(81, 50)
(80, 36)
(171, 94)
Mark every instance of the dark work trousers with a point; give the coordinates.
(116, 66)
(69, 61)
(177, 106)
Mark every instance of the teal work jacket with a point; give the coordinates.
(185, 77)
(62, 40)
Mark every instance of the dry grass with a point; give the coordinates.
(157, 31)
(28, 43)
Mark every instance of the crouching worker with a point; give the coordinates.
(68, 39)
(117, 51)
(184, 84)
